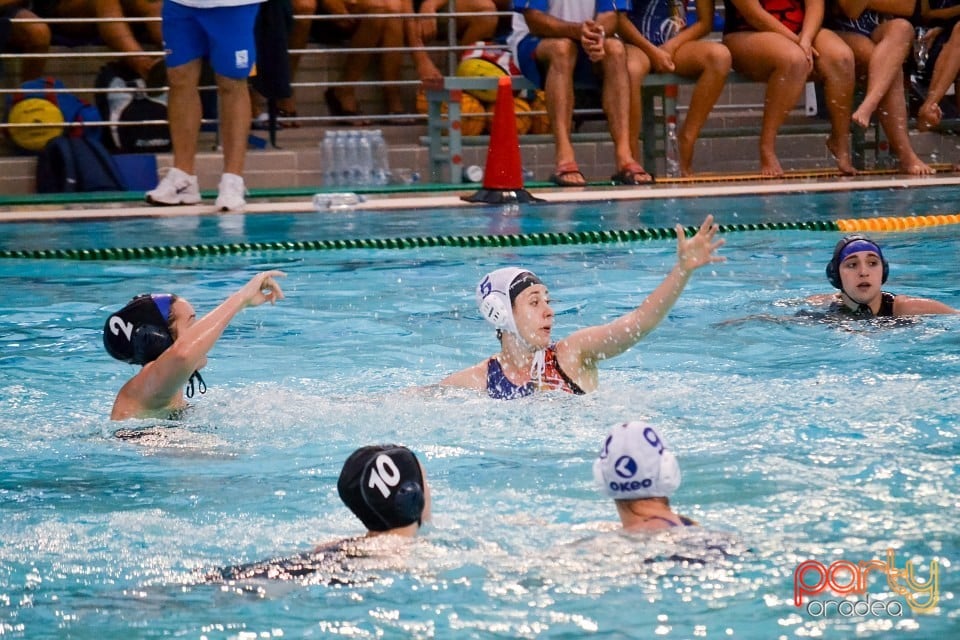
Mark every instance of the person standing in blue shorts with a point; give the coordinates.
(222, 31)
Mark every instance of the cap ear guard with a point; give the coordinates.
(148, 342)
(138, 333)
(383, 487)
(386, 487)
(833, 267)
(494, 311)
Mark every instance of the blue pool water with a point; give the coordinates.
(797, 440)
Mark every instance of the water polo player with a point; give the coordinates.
(516, 302)
(859, 270)
(637, 470)
(386, 487)
(161, 332)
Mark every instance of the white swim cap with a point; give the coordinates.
(634, 463)
(496, 293)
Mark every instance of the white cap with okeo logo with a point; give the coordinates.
(634, 463)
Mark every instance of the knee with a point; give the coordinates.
(614, 48)
(718, 60)
(304, 7)
(838, 63)
(560, 53)
(638, 65)
(900, 30)
(792, 62)
(232, 90)
(953, 42)
(37, 37)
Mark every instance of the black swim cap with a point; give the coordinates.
(521, 282)
(383, 486)
(139, 332)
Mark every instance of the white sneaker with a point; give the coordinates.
(177, 187)
(231, 193)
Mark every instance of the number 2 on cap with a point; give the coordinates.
(117, 325)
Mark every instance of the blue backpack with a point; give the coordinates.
(75, 164)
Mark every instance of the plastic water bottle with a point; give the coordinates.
(364, 159)
(351, 160)
(341, 159)
(336, 201)
(921, 52)
(328, 157)
(673, 151)
(381, 161)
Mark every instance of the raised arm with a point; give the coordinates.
(160, 382)
(593, 344)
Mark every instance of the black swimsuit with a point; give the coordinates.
(863, 311)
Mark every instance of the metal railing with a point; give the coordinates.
(95, 51)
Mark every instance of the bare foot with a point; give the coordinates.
(841, 153)
(861, 117)
(770, 166)
(928, 116)
(916, 167)
(686, 148)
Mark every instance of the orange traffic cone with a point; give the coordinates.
(503, 175)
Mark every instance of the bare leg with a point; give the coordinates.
(298, 38)
(945, 71)
(836, 68)
(771, 58)
(638, 66)
(617, 98)
(184, 112)
(475, 29)
(710, 61)
(234, 99)
(891, 44)
(33, 37)
(367, 36)
(560, 56)
(893, 118)
(391, 62)
(118, 35)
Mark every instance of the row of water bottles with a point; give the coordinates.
(354, 158)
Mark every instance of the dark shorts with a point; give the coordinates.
(864, 25)
(534, 71)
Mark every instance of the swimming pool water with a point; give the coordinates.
(797, 439)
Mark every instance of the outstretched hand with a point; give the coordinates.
(263, 288)
(698, 250)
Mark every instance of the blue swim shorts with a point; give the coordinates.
(534, 71)
(222, 34)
